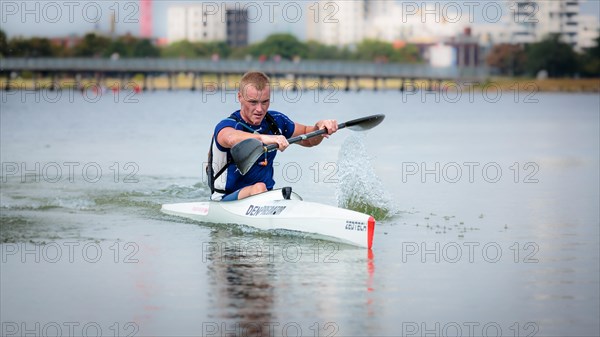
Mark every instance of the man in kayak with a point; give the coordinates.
(253, 120)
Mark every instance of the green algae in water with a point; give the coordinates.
(363, 206)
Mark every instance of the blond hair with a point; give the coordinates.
(256, 79)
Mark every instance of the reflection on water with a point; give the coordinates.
(252, 280)
(242, 289)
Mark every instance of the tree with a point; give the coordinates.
(381, 51)
(285, 45)
(208, 49)
(318, 51)
(179, 49)
(406, 54)
(144, 48)
(589, 61)
(509, 59)
(33, 47)
(595, 51)
(119, 47)
(372, 50)
(552, 55)
(92, 45)
(3, 44)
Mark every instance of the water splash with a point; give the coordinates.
(359, 187)
(46, 203)
(79, 199)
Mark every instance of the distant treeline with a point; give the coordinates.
(285, 46)
(557, 58)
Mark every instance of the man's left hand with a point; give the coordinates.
(330, 125)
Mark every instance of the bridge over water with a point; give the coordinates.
(153, 67)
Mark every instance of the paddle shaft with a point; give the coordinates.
(296, 139)
(248, 151)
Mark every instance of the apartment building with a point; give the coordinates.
(338, 23)
(531, 21)
(207, 22)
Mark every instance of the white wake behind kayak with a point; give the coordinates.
(271, 210)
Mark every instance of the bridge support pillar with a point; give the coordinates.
(193, 87)
(78, 86)
(34, 80)
(97, 80)
(53, 84)
(145, 82)
(123, 81)
(294, 83)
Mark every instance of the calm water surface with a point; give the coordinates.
(496, 230)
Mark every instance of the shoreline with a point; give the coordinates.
(214, 83)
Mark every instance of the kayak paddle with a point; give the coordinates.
(247, 152)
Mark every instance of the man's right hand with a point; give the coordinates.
(281, 141)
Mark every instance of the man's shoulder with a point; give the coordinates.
(279, 116)
(284, 123)
(231, 120)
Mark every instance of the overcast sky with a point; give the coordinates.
(62, 18)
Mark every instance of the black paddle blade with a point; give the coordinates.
(365, 123)
(246, 153)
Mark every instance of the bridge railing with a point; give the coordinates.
(303, 68)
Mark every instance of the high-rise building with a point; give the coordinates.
(345, 23)
(208, 22)
(237, 27)
(522, 22)
(589, 29)
(428, 24)
(197, 23)
(531, 21)
(338, 23)
(177, 26)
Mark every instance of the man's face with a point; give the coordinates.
(254, 103)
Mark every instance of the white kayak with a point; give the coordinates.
(283, 209)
